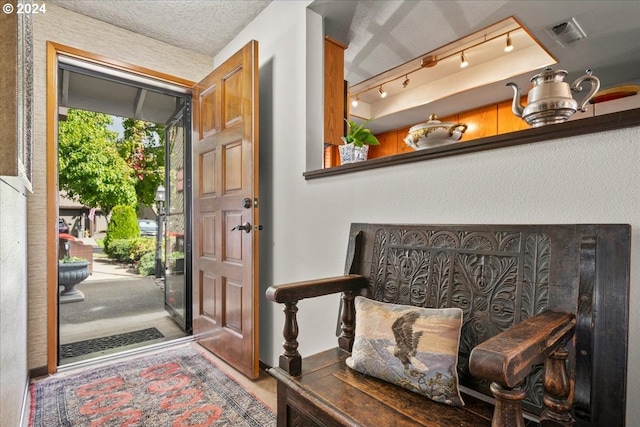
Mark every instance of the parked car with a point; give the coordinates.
(148, 227)
(63, 227)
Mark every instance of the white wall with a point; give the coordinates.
(13, 299)
(588, 179)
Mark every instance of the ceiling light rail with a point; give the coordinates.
(429, 61)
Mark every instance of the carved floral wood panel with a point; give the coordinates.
(497, 278)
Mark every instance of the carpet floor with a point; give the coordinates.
(179, 387)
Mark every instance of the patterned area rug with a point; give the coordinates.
(176, 388)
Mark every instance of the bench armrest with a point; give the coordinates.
(509, 357)
(290, 294)
(314, 288)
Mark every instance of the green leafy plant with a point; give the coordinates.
(123, 225)
(91, 171)
(147, 264)
(358, 135)
(141, 246)
(119, 250)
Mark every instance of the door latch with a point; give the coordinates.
(247, 203)
(246, 227)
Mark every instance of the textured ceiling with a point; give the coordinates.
(382, 35)
(385, 34)
(198, 25)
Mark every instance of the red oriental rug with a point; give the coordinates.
(176, 388)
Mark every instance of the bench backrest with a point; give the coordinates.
(502, 274)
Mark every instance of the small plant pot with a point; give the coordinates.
(69, 275)
(349, 153)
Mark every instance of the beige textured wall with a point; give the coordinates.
(61, 26)
(13, 298)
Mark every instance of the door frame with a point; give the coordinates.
(53, 51)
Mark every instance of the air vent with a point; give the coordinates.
(567, 32)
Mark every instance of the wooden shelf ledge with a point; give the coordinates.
(606, 122)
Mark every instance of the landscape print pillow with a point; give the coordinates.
(415, 348)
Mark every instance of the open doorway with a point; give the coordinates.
(123, 150)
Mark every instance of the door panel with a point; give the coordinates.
(225, 153)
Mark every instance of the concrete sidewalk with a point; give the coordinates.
(117, 300)
(105, 269)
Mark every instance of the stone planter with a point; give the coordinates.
(349, 153)
(69, 275)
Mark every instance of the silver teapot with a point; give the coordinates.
(550, 100)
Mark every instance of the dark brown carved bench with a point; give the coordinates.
(544, 330)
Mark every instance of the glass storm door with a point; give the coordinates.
(177, 286)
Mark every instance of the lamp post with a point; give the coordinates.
(160, 198)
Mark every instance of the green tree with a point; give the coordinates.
(142, 147)
(123, 225)
(90, 170)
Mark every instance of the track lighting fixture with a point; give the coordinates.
(509, 46)
(430, 61)
(463, 60)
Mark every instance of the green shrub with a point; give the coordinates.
(123, 225)
(147, 264)
(141, 246)
(130, 250)
(119, 250)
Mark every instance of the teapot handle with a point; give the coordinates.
(455, 127)
(595, 86)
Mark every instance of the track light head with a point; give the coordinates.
(509, 46)
(463, 60)
(383, 94)
(406, 81)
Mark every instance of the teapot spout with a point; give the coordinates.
(516, 107)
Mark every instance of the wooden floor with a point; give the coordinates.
(264, 388)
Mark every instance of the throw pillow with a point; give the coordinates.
(415, 348)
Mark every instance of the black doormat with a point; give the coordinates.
(95, 345)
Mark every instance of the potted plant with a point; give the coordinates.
(356, 142)
(71, 271)
(176, 262)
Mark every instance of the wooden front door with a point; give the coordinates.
(225, 239)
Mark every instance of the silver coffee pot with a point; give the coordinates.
(550, 100)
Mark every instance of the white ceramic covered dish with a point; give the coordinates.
(434, 133)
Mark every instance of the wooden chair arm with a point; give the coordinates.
(509, 357)
(314, 288)
(290, 294)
